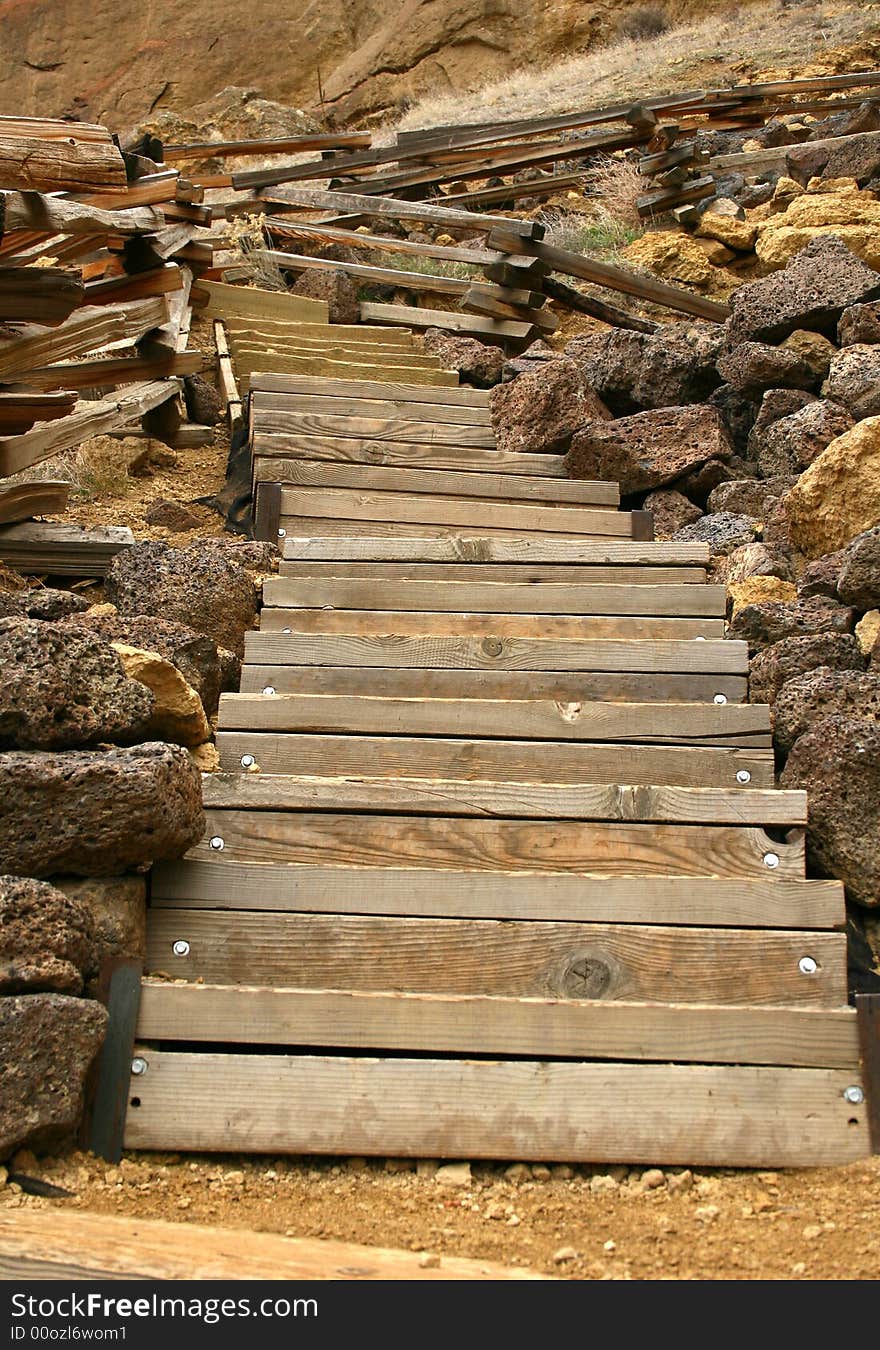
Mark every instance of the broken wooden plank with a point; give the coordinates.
(22, 501)
(472, 549)
(61, 549)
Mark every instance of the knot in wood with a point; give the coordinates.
(493, 646)
(586, 977)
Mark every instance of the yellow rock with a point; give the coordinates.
(868, 631)
(676, 257)
(786, 187)
(101, 611)
(756, 590)
(853, 216)
(717, 254)
(178, 715)
(206, 757)
(836, 185)
(735, 234)
(812, 348)
(446, 240)
(839, 494)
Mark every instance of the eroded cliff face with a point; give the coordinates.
(117, 63)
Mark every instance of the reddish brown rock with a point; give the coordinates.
(808, 698)
(859, 324)
(721, 531)
(47, 1045)
(854, 380)
(774, 666)
(837, 762)
(634, 372)
(763, 624)
(116, 908)
(650, 449)
(540, 413)
(791, 443)
(670, 510)
(195, 656)
(46, 941)
(859, 581)
(820, 576)
(335, 287)
(477, 363)
(750, 496)
(753, 367)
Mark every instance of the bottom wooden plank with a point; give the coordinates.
(458, 1024)
(708, 1116)
(59, 1245)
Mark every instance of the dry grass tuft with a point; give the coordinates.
(648, 21)
(247, 236)
(618, 184)
(95, 470)
(601, 235)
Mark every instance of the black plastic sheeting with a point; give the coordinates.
(234, 502)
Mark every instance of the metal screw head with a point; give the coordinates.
(286, 630)
(743, 776)
(247, 761)
(720, 698)
(217, 843)
(808, 965)
(138, 1066)
(854, 1094)
(700, 639)
(180, 947)
(282, 534)
(270, 689)
(771, 860)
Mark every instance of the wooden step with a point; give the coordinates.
(525, 959)
(483, 549)
(459, 396)
(266, 406)
(706, 1115)
(277, 457)
(524, 575)
(402, 623)
(583, 686)
(496, 597)
(470, 483)
(491, 652)
(481, 1025)
(216, 882)
(416, 430)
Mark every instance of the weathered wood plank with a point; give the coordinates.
(716, 902)
(706, 1115)
(529, 719)
(252, 302)
(65, 1245)
(629, 962)
(500, 330)
(457, 396)
(490, 653)
(472, 549)
(520, 574)
(475, 1024)
(351, 368)
(338, 405)
(67, 164)
(497, 597)
(304, 331)
(278, 457)
(86, 330)
(415, 431)
(403, 623)
(498, 760)
(564, 687)
(473, 483)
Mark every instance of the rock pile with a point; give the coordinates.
(762, 439)
(104, 716)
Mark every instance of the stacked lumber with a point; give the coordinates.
(495, 847)
(95, 277)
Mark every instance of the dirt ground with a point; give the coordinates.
(571, 1222)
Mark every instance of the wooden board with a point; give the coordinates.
(433, 508)
(354, 405)
(61, 549)
(717, 902)
(86, 330)
(564, 687)
(471, 325)
(496, 597)
(498, 760)
(252, 302)
(693, 1114)
(248, 351)
(520, 575)
(532, 719)
(63, 1245)
(476, 549)
(475, 1024)
(276, 457)
(471, 483)
(491, 653)
(358, 334)
(417, 431)
(352, 369)
(461, 397)
(21, 501)
(65, 164)
(520, 960)
(378, 623)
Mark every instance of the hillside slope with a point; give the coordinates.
(91, 58)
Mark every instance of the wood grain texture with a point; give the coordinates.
(326, 365)
(226, 300)
(277, 456)
(517, 959)
(87, 329)
(528, 576)
(432, 509)
(490, 653)
(403, 623)
(618, 848)
(462, 1024)
(456, 396)
(457, 797)
(689, 1114)
(403, 530)
(497, 597)
(469, 483)
(533, 719)
(418, 431)
(477, 549)
(60, 1245)
(717, 902)
(385, 409)
(584, 686)
(284, 332)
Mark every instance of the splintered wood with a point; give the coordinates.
(495, 843)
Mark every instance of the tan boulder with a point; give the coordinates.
(727, 230)
(206, 757)
(838, 186)
(717, 254)
(678, 258)
(178, 715)
(758, 589)
(853, 216)
(813, 349)
(839, 494)
(868, 631)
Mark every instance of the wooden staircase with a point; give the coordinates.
(495, 866)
